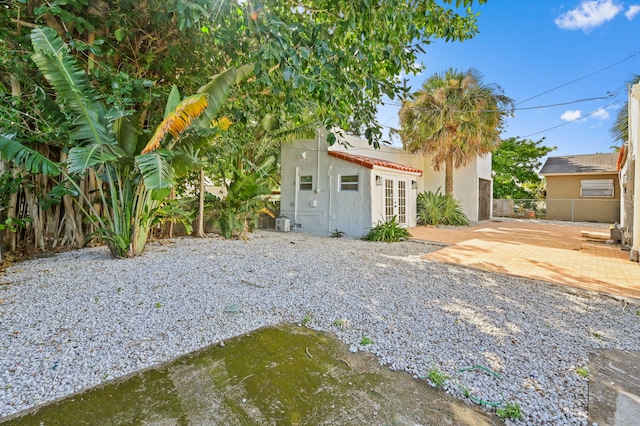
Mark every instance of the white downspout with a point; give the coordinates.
(295, 199)
(634, 136)
(329, 191)
(635, 248)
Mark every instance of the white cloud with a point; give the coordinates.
(633, 10)
(571, 115)
(588, 15)
(601, 113)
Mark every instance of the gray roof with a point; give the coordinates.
(573, 164)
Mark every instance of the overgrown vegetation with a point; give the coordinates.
(132, 176)
(133, 54)
(435, 208)
(390, 232)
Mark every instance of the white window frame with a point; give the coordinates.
(306, 183)
(350, 185)
(597, 188)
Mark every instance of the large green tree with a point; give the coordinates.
(454, 117)
(320, 62)
(515, 167)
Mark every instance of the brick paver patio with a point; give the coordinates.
(548, 251)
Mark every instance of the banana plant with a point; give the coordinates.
(133, 177)
(245, 198)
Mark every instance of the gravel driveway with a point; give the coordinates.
(80, 318)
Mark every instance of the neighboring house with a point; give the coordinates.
(630, 177)
(583, 188)
(351, 189)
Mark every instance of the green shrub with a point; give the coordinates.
(437, 377)
(389, 232)
(435, 208)
(510, 411)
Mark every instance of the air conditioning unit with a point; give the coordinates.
(283, 224)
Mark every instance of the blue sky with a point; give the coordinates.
(536, 50)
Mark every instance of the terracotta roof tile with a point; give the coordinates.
(370, 162)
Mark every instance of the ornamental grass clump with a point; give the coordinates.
(435, 208)
(390, 231)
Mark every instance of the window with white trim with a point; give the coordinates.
(306, 183)
(600, 188)
(349, 183)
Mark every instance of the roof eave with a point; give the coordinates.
(615, 172)
(389, 169)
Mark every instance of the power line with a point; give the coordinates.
(568, 122)
(609, 96)
(632, 55)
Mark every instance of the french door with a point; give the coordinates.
(395, 199)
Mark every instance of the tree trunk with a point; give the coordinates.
(172, 196)
(448, 175)
(37, 225)
(200, 230)
(73, 234)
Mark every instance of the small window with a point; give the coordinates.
(349, 183)
(596, 188)
(306, 183)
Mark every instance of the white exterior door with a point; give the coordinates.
(395, 199)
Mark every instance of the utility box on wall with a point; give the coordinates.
(283, 224)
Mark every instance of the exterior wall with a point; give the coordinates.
(565, 203)
(361, 147)
(465, 182)
(634, 163)
(349, 211)
(626, 192)
(305, 209)
(465, 179)
(325, 208)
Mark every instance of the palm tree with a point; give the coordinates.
(133, 177)
(620, 129)
(454, 118)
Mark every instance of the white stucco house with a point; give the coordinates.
(629, 165)
(352, 187)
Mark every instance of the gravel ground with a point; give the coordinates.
(80, 318)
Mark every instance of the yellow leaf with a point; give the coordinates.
(224, 123)
(179, 120)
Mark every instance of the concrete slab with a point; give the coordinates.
(614, 388)
(282, 375)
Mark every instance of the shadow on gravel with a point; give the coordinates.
(284, 375)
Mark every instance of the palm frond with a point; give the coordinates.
(179, 120)
(173, 100)
(184, 162)
(13, 151)
(218, 90)
(82, 158)
(127, 130)
(156, 170)
(71, 84)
